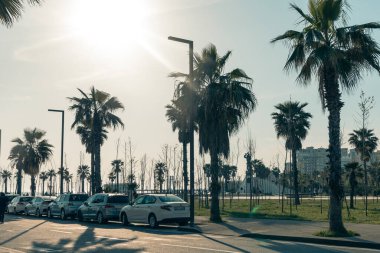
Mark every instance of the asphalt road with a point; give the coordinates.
(31, 234)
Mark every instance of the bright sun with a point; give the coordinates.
(110, 25)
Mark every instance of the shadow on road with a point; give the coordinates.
(296, 247)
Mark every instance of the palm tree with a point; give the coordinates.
(112, 177)
(365, 142)
(67, 177)
(5, 175)
(51, 173)
(117, 166)
(292, 123)
(17, 156)
(43, 176)
(83, 172)
(337, 57)
(177, 115)
(159, 173)
(225, 102)
(352, 170)
(94, 113)
(36, 151)
(11, 10)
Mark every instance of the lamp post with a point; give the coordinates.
(62, 135)
(191, 48)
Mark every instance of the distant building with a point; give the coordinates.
(311, 160)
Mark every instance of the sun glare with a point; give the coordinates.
(111, 25)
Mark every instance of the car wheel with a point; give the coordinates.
(99, 218)
(38, 213)
(63, 215)
(49, 214)
(80, 216)
(26, 212)
(124, 219)
(14, 210)
(152, 221)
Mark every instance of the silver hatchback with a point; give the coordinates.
(102, 207)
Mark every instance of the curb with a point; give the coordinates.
(333, 242)
(189, 229)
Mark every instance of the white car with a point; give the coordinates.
(156, 209)
(18, 204)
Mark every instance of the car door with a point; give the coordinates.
(134, 213)
(146, 207)
(54, 206)
(12, 205)
(94, 206)
(86, 207)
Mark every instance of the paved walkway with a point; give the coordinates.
(304, 230)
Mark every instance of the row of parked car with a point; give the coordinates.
(153, 209)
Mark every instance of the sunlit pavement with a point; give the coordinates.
(31, 234)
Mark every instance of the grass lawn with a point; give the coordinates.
(310, 209)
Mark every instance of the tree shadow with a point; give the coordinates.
(225, 244)
(296, 247)
(86, 242)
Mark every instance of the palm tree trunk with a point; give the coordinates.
(215, 188)
(43, 187)
(295, 178)
(366, 187)
(19, 179)
(117, 181)
(185, 176)
(98, 178)
(51, 184)
(352, 192)
(82, 184)
(334, 105)
(6, 184)
(92, 181)
(33, 185)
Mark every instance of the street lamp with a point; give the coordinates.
(191, 48)
(63, 120)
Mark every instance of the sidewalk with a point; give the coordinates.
(288, 230)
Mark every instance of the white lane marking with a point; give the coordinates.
(59, 231)
(9, 230)
(11, 250)
(190, 247)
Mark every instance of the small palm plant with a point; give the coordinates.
(83, 172)
(159, 173)
(43, 176)
(6, 175)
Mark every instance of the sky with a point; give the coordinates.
(121, 47)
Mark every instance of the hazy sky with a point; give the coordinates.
(122, 48)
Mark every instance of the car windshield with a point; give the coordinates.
(170, 199)
(78, 197)
(118, 199)
(25, 199)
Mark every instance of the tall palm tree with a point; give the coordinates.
(94, 112)
(17, 157)
(11, 10)
(365, 142)
(6, 175)
(67, 177)
(292, 123)
(43, 176)
(159, 173)
(117, 166)
(225, 102)
(51, 173)
(336, 57)
(36, 151)
(352, 171)
(83, 172)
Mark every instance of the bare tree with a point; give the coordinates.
(143, 165)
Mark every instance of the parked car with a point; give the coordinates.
(102, 207)
(66, 205)
(38, 206)
(156, 209)
(10, 197)
(17, 205)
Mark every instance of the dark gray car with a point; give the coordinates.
(66, 205)
(102, 207)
